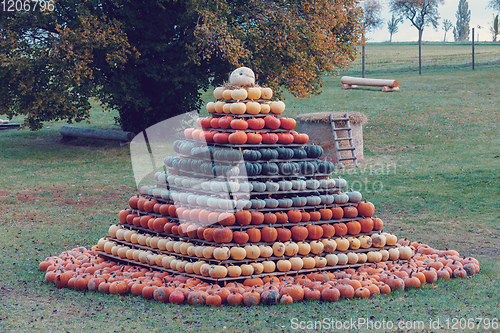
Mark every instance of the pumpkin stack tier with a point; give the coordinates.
(246, 195)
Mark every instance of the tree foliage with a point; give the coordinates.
(494, 28)
(447, 25)
(461, 30)
(495, 4)
(392, 26)
(371, 15)
(420, 13)
(150, 59)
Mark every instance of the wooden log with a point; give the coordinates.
(351, 81)
(93, 133)
(6, 126)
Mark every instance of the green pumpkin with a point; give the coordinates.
(258, 187)
(272, 187)
(312, 184)
(195, 165)
(299, 153)
(285, 153)
(314, 151)
(253, 169)
(299, 201)
(206, 168)
(268, 154)
(258, 203)
(271, 203)
(285, 185)
(169, 160)
(326, 199)
(313, 200)
(176, 145)
(308, 168)
(233, 155)
(246, 187)
(286, 169)
(270, 169)
(298, 184)
(185, 164)
(285, 203)
(325, 167)
(251, 155)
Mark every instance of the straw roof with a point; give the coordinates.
(354, 117)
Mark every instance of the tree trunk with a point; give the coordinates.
(420, 32)
(390, 39)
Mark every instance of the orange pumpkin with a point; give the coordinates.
(243, 217)
(299, 233)
(378, 224)
(340, 229)
(350, 212)
(254, 138)
(294, 216)
(237, 138)
(282, 217)
(254, 235)
(314, 231)
(353, 227)
(337, 212)
(366, 209)
(226, 219)
(268, 218)
(269, 234)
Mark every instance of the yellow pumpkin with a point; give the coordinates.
(254, 93)
(218, 92)
(266, 93)
(239, 94)
(296, 263)
(277, 107)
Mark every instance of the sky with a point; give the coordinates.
(480, 15)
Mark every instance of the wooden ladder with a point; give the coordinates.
(336, 140)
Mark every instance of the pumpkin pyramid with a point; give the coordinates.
(247, 196)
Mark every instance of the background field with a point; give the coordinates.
(431, 167)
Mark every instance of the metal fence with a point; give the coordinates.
(403, 57)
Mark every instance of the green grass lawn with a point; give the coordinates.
(431, 167)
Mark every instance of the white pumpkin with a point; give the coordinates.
(242, 76)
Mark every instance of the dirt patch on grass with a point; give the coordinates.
(35, 205)
(67, 196)
(390, 149)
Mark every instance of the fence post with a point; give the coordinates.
(473, 49)
(363, 57)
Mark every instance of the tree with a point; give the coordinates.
(420, 13)
(495, 4)
(494, 28)
(150, 59)
(371, 18)
(447, 25)
(392, 26)
(462, 28)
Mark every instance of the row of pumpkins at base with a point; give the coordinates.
(84, 270)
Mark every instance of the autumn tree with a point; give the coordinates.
(420, 13)
(447, 25)
(150, 60)
(461, 30)
(392, 26)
